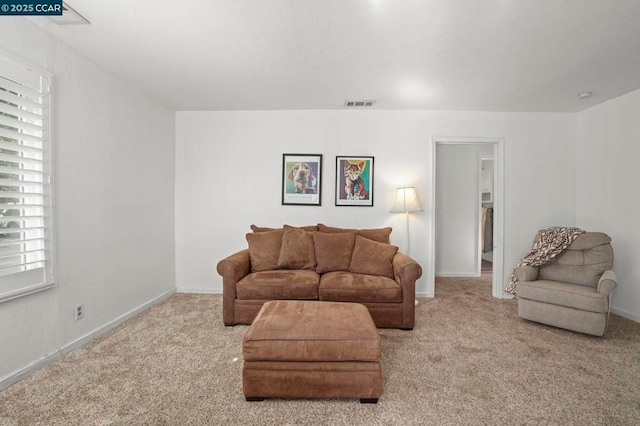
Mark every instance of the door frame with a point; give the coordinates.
(497, 285)
(482, 158)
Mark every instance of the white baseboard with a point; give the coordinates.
(16, 376)
(625, 314)
(198, 290)
(458, 275)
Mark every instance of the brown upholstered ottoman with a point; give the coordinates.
(311, 349)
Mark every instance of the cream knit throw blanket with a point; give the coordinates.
(550, 243)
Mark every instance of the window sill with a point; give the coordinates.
(15, 294)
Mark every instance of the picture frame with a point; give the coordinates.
(302, 179)
(354, 181)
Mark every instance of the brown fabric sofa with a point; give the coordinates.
(320, 263)
(574, 290)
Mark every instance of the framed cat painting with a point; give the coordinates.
(354, 181)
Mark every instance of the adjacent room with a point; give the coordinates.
(417, 150)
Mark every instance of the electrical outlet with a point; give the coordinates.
(79, 311)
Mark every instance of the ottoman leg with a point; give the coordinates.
(253, 398)
(368, 400)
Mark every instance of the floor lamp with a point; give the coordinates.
(406, 202)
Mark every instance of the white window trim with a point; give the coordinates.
(48, 164)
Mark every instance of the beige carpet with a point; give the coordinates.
(470, 360)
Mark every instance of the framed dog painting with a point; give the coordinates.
(354, 181)
(301, 179)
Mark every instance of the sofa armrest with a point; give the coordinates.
(526, 273)
(607, 282)
(406, 272)
(232, 269)
(405, 269)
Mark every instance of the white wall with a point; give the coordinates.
(457, 209)
(608, 189)
(114, 183)
(228, 170)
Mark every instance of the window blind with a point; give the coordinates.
(25, 183)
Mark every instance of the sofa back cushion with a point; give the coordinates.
(255, 228)
(333, 251)
(583, 262)
(372, 257)
(264, 250)
(380, 234)
(297, 250)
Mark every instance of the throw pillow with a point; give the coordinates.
(297, 251)
(380, 234)
(372, 257)
(333, 251)
(264, 250)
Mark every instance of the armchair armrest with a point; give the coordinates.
(526, 273)
(232, 269)
(406, 272)
(607, 282)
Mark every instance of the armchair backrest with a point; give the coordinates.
(583, 262)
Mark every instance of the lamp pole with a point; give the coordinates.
(408, 234)
(406, 202)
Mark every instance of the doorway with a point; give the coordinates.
(497, 152)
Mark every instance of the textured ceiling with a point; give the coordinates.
(487, 55)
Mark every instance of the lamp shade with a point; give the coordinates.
(406, 201)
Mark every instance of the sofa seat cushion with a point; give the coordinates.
(563, 294)
(341, 286)
(279, 284)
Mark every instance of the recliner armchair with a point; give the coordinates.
(573, 291)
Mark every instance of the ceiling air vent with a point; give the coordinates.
(359, 103)
(69, 17)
